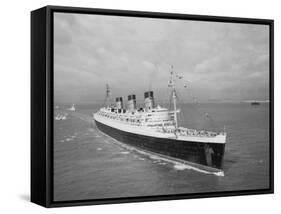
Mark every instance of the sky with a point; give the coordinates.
(219, 62)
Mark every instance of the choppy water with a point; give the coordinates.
(90, 165)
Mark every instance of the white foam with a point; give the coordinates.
(154, 157)
(125, 153)
(99, 149)
(162, 163)
(68, 139)
(181, 167)
(221, 173)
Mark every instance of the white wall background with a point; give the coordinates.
(15, 105)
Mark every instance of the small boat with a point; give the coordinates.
(72, 108)
(255, 103)
(58, 117)
(61, 117)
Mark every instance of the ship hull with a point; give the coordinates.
(202, 154)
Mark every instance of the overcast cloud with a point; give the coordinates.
(219, 61)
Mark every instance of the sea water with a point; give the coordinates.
(91, 165)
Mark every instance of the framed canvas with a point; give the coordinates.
(131, 106)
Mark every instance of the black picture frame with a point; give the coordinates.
(42, 104)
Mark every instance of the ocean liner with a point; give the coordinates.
(155, 129)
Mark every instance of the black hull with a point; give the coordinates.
(208, 155)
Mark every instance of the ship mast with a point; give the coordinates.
(107, 96)
(174, 96)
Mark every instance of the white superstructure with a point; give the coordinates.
(157, 122)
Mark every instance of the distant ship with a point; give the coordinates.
(155, 129)
(255, 103)
(72, 108)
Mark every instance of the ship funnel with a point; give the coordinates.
(149, 100)
(132, 102)
(119, 102)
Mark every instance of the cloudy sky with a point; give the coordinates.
(218, 61)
